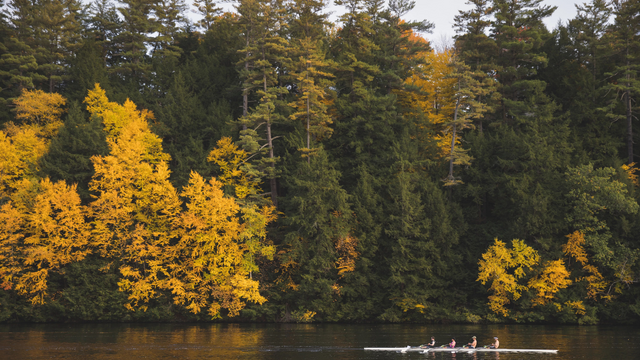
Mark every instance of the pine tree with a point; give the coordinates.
(470, 87)
(473, 44)
(268, 52)
(168, 23)
(133, 69)
(310, 71)
(104, 25)
(57, 36)
(625, 40)
(209, 11)
(320, 220)
(18, 63)
(419, 258)
(188, 132)
(69, 155)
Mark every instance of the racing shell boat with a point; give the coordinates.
(460, 350)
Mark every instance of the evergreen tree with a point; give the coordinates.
(57, 36)
(86, 69)
(18, 63)
(269, 55)
(104, 25)
(625, 41)
(319, 219)
(209, 11)
(133, 70)
(70, 152)
(310, 71)
(188, 132)
(419, 258)
(474, 46)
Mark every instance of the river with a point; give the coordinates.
(305, 341)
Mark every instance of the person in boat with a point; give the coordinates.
(429, 345)
(472, 344)
(452, 344)
(496, 343)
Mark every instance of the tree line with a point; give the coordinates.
(266, 164)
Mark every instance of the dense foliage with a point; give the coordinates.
(268, 165)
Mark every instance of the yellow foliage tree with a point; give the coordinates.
(135, 211)
(231, 161)
(553, 278)
(22, 145)
(210, 267)
(574, 248)
(46, 229)
(495, 266)
(433, 106)
(39, 107)
(11, 236)
(204, 255)
(347, 254)
(19, 153)
(631, 170)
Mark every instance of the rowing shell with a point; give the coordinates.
(461, 350)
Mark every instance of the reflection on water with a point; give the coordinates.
(305, 341)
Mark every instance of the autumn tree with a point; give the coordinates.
(54, 231)
(203, 256)
(211, 263)
(503, 268)
(470, 88)
(595, 194)
(23, 145)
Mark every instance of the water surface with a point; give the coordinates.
(305, 341)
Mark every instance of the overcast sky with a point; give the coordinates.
(441, 13)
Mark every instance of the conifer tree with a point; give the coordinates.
(69, 155)
(473, 44)
(625, 40)
(133, 69)
(188, 133)
(310, 72)
(209, 11)
(18, 63)
(470, 87)
(268, 52)
(320, 221)
(104, 24)
(57, 36)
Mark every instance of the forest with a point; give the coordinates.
(268, 164)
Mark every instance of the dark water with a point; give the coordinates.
(306, 342)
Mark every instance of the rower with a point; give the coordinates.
(429, 345)
(472, 344)
(452, 344)
(496, 343)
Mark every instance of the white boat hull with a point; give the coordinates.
(461, 350)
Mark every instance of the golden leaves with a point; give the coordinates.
(230, 159)
(39, 107)
(201, 251)
(631, 170)
(554, 277)
(43, 231)
(495, 266)
(347, 254)
(575, 248)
